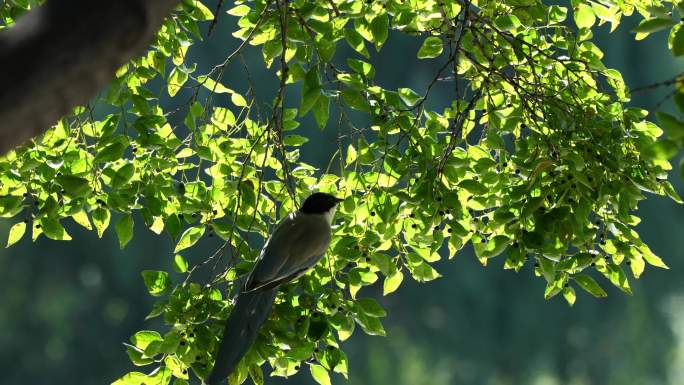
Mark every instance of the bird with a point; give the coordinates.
(295, 246)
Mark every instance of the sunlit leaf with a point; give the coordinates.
(589, 284)
(392, 282)
(320, 374)
(431, 48)
(189, 238)
(16, 232)
(124, 230)
(157, 282)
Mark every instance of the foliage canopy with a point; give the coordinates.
(538, 160)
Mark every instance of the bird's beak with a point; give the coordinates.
(338, 200)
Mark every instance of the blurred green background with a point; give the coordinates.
(66, 308)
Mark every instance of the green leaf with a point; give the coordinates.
(431, 48)
(311, 91)
(322, 27)
(676, 40)
(617, 277)
(379, 27)
(370, 325)
(355, 100)
(173, 226)
(589, 284)
(201, 12)
(370, 307)
(101, 220)
(326, 49)
(321, 111)
(271, 50)
(74, 186)
(124, 230)
(54, 230)
(189, 238)
(569, 295)
(213, 86)
(352, 155)
(177, 79)
(651, 258)
(392, 282)
(294, 140)
(355, 41)
(361, 67)
(554, 287)
(679, 102)
(653, 25)
(240, 10)
(409, 96)
(584, 16)
(132, 378)
(557, 14)
(320, 374)
(180, 264)
(144, 338)
(473, 187)
(10, 205)
(507, 22)
(422, 272)
(240, 374)
(548, 269)
(222, 117)
(177, 367)
(161, 376)
(663, 149)
(426, 254)
(256, 374)
(157, 282)
(238, 100)
(531, 206)
(110, 153)
(137, 356)
(672, 126)
(670, 191)
(123, 175)
(493, 247)
(16, 233)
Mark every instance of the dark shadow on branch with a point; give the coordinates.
(60, 55)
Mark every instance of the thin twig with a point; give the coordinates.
(216, 17)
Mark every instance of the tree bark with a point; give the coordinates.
(60, 55)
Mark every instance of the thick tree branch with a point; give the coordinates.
(60, 55)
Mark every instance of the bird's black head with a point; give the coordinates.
(319, 203)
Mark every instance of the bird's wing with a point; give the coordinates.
(296, 244)
(272, 259)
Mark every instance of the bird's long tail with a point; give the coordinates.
(242, 327)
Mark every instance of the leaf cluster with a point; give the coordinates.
(536, 161)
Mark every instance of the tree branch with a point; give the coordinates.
(60, 55)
